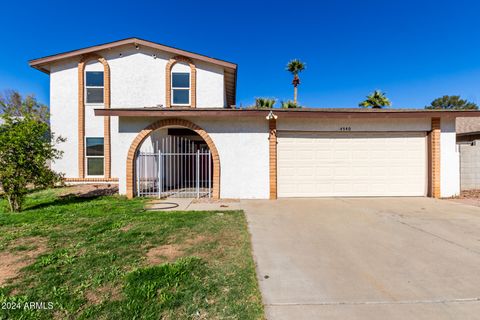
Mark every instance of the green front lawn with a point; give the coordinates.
(106, 258)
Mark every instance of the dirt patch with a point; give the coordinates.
(126, 227)
(196, 240)
(165, 253)
(469, 194)
(12, 262)
(170, 252)
(97, 295)
(60, 315)
(89, 190)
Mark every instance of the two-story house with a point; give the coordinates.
(162, 121)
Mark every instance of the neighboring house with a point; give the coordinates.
(161, 121)
(468, 129)
(468, 139)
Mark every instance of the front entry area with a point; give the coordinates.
(174, 163)
(324, 164)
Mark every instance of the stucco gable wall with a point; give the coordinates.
(138, 79)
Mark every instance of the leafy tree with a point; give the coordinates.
(25, 147)
(452, 103)
(376, 99)
(295, 66)
(261, 103)
(12, 104)
(289, 104)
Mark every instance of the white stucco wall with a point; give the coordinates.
(64, 115)
(210, 86)
(244, 156)
(449, 159)
(242, 145)
(137, 79)
(334, 124)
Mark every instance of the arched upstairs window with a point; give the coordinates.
(181, 82)
(181, 85)
(94, 87)
(93, 90)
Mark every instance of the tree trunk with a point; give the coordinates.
(295, 82)
(14, 203)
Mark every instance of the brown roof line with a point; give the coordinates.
(468, 125)
(37, 63)
(464, 134)
(304, 112)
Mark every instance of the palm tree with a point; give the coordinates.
(295, 66)
(377, 99)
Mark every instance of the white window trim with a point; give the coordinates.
(86, 87)
(88, 157)
(178, 88)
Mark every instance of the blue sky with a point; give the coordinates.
(415, 51)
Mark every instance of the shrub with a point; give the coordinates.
(264, 103)
(289, 104)
(25, 147)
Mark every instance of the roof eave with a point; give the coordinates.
(41, 68)
(464, 134)
(69, 54)
(220, 112)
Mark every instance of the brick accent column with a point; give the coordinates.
(272, 141)
(106, 120)
(168, 80)
(166, 123)
(434, 156)
(81, 119)
(81, 114)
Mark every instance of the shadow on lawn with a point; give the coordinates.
(72, 198)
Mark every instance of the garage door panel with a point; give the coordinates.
(351, 164)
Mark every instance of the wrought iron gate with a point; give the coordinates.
(174, 167)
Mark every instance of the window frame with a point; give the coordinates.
(189, 89)
(95, 157)
(94, 87)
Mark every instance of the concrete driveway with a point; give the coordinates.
(364, 258)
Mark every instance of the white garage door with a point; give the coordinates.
(352, 164)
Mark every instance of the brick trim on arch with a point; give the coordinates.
(142, 135)
(81, 114)
(168, 80)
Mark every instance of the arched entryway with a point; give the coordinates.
(137, 142)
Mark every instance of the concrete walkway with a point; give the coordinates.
(190, 204)
(364, 258)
